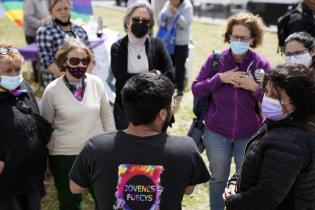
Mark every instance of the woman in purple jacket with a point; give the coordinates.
(232, 115)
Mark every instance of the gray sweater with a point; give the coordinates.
(185, 12)
(34, 11)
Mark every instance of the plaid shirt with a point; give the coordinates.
(48, 39)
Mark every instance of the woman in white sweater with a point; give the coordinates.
(77, 106)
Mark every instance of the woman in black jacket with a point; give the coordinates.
(137, 52)
(23, 150)
(278, 172)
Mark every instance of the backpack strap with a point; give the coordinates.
(213, 71)
(175, 21)
(215, 63)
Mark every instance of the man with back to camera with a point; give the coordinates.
(304, 19)
(141, 167)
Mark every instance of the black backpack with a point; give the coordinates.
(282, 24)
(200, 105)
(200, 108)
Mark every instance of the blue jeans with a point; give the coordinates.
(219, 152)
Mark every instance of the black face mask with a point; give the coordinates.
(77, 72)
(168, 121)
(139, 29)
(59, 22)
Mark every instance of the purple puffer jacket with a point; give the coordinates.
(231, 111)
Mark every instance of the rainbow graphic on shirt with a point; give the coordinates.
(138, 187)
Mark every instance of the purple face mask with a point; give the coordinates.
(272, 109)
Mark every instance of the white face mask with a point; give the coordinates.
(304, 59)
(11, 82)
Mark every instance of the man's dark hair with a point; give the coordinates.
(144, 95)
(302, 37)
(298, 82)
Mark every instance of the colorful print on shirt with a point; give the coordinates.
(138, 187)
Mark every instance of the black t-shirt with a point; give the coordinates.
(139, 173)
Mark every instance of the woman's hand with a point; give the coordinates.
(1, 166)
(248, 83)
(228, 192)
(172, 8)
(232, 77)
(47, 174)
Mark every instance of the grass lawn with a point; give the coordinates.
(206, 38)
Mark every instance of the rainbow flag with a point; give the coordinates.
(14, 10)
(81, 9)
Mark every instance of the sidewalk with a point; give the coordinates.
(207, 20)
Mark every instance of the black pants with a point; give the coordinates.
(60, 166)
(25, 201)
(35, 64)
(118, 2)
(179, 60)
(121, 120)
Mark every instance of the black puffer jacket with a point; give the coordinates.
(278, 172)
(21, 147)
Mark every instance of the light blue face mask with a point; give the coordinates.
(11, 82)
(239, 48)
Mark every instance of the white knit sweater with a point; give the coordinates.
(74, 121)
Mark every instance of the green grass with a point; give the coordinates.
(206, 38)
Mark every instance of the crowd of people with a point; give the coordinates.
(260, 115)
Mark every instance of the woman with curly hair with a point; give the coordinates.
(233, 114)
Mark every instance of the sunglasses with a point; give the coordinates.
(138, 20)
(75, 61)
(6, 51)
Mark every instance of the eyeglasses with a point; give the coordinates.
(138, 20)
(6, 51)
(240, 38)
(75, 61)
(294, 53)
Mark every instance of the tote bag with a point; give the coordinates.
(168, 36)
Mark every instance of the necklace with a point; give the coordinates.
(136, 50)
